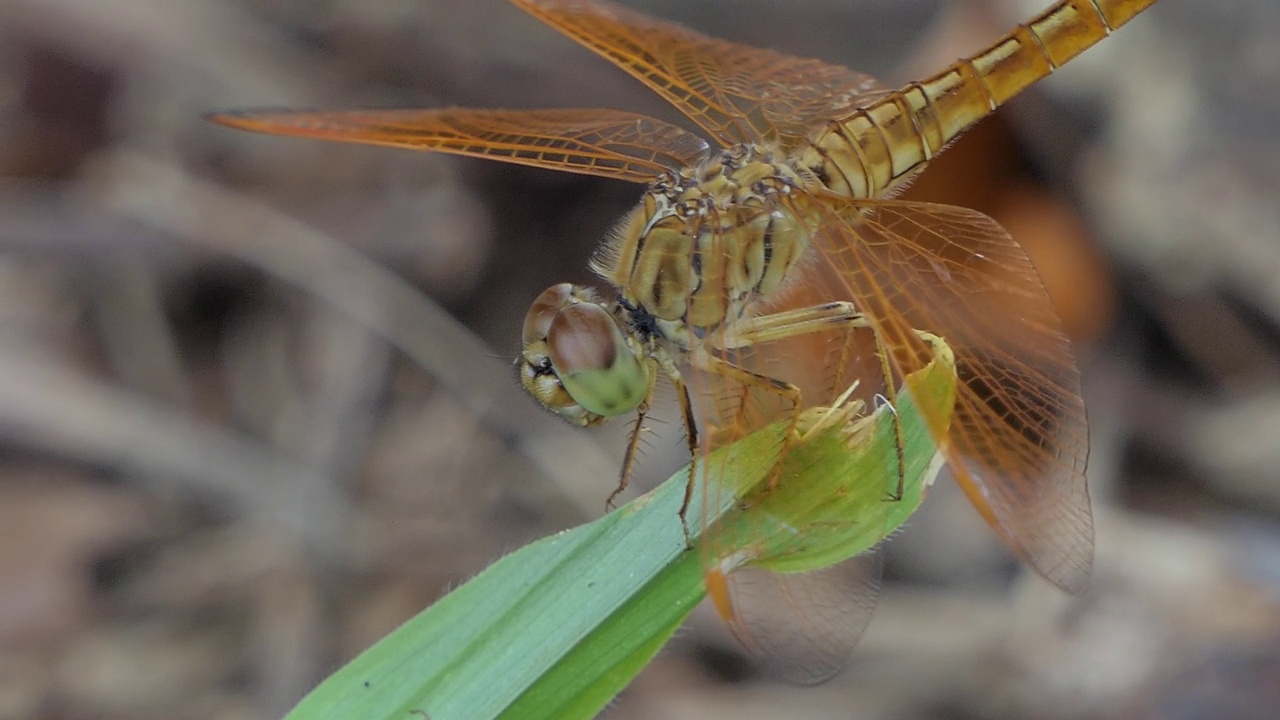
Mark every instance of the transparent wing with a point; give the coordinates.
(608, 143)
(801, 627)
(736, 93)
(1018, 441)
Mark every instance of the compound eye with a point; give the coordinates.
(537, 322)
(594, 362)
(583, 338)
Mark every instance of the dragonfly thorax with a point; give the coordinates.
(706, 242)
(702, 245)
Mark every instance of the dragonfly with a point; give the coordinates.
(768, 264)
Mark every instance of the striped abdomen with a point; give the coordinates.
(882, 144)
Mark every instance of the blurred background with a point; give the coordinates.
(256, 400)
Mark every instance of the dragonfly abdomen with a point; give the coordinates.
(883, 144)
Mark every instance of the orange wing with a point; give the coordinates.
(1018, 441)
(609, 143)
(736, 93)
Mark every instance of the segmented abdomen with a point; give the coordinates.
(881, 145)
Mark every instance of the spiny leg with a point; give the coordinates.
(899, 439)
(663, 364)
(843, 362)
(629, 458)
(791, 323)
(749, 378)
(633, 443)
(691, 434)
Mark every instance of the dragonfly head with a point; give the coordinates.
(578, 360)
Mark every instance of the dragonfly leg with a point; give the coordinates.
(691, 434)
(790, 323)
(899, 440)
(633, 443)
(782, 388)
(663, 364)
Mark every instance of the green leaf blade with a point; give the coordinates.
(559, 627)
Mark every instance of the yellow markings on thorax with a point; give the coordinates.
(701, 247)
